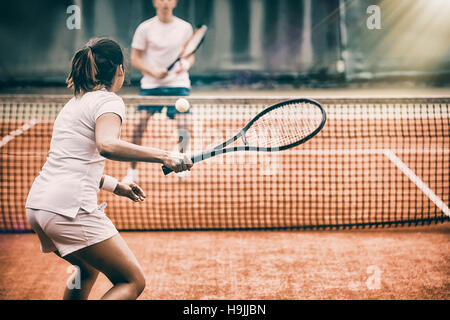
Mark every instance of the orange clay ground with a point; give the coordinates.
(410, 263)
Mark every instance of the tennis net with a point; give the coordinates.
(377, 162)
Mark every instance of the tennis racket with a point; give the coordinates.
(279, 127)
(191, 45)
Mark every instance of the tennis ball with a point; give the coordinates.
(182, 105)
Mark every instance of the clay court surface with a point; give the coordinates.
(412, 263)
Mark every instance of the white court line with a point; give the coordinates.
(18, 132)
(346, 152)
(357, 152)
(417, 181)
(334, 112)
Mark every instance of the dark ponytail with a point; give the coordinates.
(95, 65)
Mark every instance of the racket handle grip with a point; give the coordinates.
(194, 159)
(166, 170)
(173, 64)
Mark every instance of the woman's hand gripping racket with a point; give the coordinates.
(278, 127)
(191, 45)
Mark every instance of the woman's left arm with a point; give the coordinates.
(130, 190)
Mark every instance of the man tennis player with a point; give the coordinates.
(62, 204)
(157, 42)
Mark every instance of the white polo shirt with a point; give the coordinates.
(162, 43)
(70, 178)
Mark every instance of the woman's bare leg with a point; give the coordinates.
(113, 258)
(87, 276)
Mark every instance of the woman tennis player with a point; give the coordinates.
(62, 203)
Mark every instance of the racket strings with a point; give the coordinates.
(284, 126)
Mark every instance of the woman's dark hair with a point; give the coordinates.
(95, 65)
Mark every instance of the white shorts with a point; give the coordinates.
(67, 235)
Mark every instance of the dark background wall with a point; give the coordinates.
(246, 37)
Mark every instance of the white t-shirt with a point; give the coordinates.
(70, 178)
(162, 43)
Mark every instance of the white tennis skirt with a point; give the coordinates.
(67, 235)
